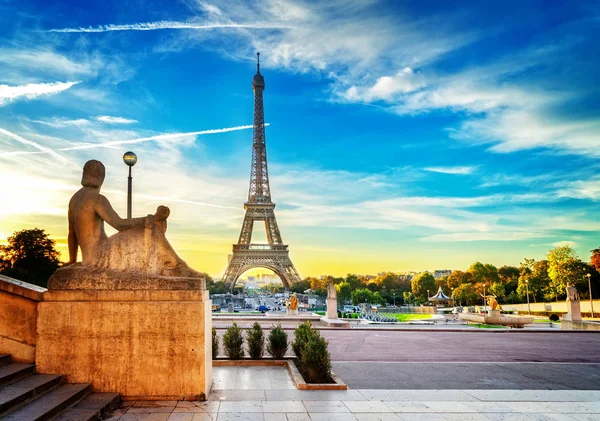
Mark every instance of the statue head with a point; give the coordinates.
(93, 174)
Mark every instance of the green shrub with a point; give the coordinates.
(278, 342)
(301, 336)
(256, 341)
(233, 342)
(215, 343)
(316, 361)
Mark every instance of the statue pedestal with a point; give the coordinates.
(143, 344)
(291, 312)
(332, 308)
(573, 311)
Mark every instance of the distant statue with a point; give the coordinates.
(140, 247)
(293, 302)
(572, 294)
(492, 301)
(331, 292)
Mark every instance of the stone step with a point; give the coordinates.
(16, 371)
(93, 407)
(5, 359)
(49, 405)
(24, 390)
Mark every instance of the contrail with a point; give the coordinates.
(35, 145)
(166, 136)
(153, 26)
(158, 137)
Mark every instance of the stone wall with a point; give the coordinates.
(579, 325)
(18, 317)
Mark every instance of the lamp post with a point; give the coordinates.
(427, 297)
(453, 300)
(484, 296)
(129, 159)
(590, 288)
(527, 288)
(394, 299)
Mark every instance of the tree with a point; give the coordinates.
(561, 263)
(344, 292)
(509, 276)
(29, 256)
(458, 277)
(466, 294)
(498, 290)
(485, 273)
(421, 283)
(300, 287)
(354, 281)
(377, 298)
(533, 276)
(362, 296)
(595, 259)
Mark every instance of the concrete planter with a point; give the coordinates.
(290, 363)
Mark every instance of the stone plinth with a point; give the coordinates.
(144, 344)
(573, 311)
(332, 308)
(291, 312)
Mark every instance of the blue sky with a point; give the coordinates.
(402, 136)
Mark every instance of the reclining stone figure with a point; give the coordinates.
(139, 256)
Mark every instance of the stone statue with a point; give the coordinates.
(331, 292)
(293, 302)
(572, 294)
(137, 255)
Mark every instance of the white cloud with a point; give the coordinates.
(161, 25)
(565, 243)
(62, 122)
(9, 94)
(387, 87)
(115, 120)
(452, 170)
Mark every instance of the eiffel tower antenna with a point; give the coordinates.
(259, 207)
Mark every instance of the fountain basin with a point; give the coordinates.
(494, 317)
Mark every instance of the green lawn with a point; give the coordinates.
(407, 317)
(484, 326)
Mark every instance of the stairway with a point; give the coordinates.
(27, 396)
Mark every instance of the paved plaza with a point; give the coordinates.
(243, 396)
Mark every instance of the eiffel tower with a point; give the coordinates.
(259, 207)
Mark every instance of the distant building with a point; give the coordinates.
(440, 273)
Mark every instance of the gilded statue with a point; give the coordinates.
(492, 302)
(138, 252)
(293, 302)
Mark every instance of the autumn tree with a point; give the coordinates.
(457, 278)
(466, 294)
(595, 259)
(30, 256)
(421, 284)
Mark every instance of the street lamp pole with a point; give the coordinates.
(427, 297)
(484, 296)
(528, 306)
(394, 299)
(130, 159)
(453, 300)
(590, 288)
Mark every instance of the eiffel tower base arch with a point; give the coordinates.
(275, 258)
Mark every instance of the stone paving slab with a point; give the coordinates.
(373, 405)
